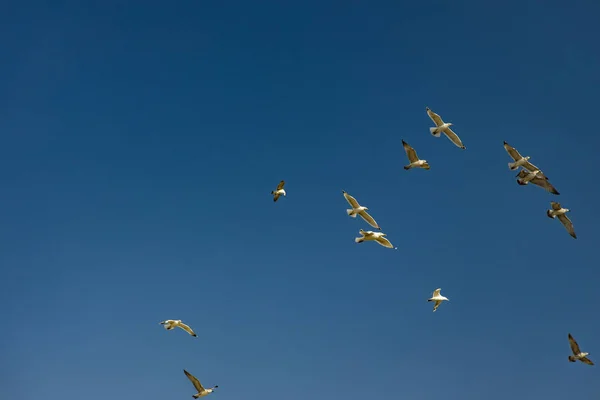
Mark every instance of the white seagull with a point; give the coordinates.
(520, 161)
(415, 162)
(376, 236)
(176, 323)
(537, 178)
(201, 391)
(279, 191)
(438, 298)
(577, 353)
(441, 126)
(560, 213)
(357, 209)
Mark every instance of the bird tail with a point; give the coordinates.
(433, 132)
(272, 192)
(359, 240)
(549, 214)
(195, 396)
(520, 182)
(407, 167)
(572, 359)
(349, 211)
(512, 166)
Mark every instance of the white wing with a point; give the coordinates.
(187, 329)
(437, 120)
(384, 242)
(515, 155)
(281, 184)
(365, 215)
(436, 292)
(351, 200)
(410, 152)
(436, 305)
(454, 138)
(195, 381)
(567, 224)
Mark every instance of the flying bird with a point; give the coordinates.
(441, 126)
(176, 323)
(560, 213)
(437, 298)
(376, 236)
(279, 191)
(357, 209)
(577, 353)
(415, 162)
(201, 391)
(520, 161)
(537, 178)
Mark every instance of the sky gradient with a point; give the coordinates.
(140, 143)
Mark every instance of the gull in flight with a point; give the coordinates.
(201, 391)
(415, 162)
(437, 298)
(578, 354)
(520, 161)
(176, 323)
(357, 209)
(538, 178)
(560, 213)
(441, 126)
(376, 236)
(279, 191)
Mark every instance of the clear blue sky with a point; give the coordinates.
(140, 143)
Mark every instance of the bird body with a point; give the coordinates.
(437, 298)
(201, 390)
(414, 160)
(280, 191)
(578, 355)
(443, 127)
(528, 177)
(357, 209)
(176, 323)
(539, 179)
(378, 237)
(557, 211)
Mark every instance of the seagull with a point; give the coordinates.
(415, 162)
(441, 126)
(560, 212)
(174, 323)
(279, 191)
(357, 209)
(376, 236)
(520, 161)
(201, 391)
(578, 354)
(438, 298)
(538, 178)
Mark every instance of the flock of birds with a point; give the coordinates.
(529, 173)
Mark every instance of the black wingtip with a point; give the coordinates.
(463, 147)
(505, 142)
(403, 142)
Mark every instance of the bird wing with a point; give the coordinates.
(530, 167)
(276, 196)
(436, 305)
(567, 224)
(351, 200)
(195, 381)
(555, 205)
(574, 345)
(453, 137)
(544, 183)
(365, 215)
(281, 184)
(512, 152)
(436, 292)
(366, 233)
(437, 120)
(522, 174)
(384, 242)
(187, 329)
(586, 361)
(410, 152)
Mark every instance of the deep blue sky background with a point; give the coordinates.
(140, 143)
